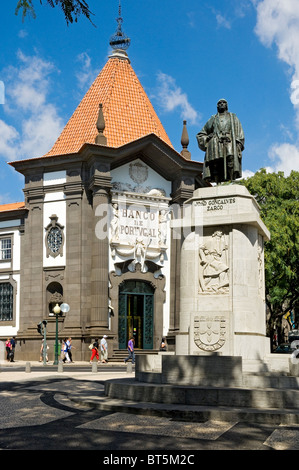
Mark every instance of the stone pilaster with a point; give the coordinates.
(72, 286)
(100, 186)
(31, 293)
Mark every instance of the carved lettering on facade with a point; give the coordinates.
(139, 233)
(215, 204)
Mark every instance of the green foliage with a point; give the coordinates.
(278, 197)
(71, 8)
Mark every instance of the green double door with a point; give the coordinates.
(136, 314)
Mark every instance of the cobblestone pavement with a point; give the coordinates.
(37, 413)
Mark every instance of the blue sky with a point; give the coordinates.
(187, 56)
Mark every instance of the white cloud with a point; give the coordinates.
(172, 97)
(87, 74)
(32, 123)
(8, 136)
(278, 24)
(247, 174)
(222, 21)
(285, 157)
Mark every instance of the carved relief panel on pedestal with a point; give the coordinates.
(214, 264)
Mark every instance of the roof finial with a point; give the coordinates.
(119, 41)
(185, 142)
(100, 138)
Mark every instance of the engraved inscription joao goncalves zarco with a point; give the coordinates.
(209, 332)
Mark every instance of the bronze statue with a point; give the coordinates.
(222, 138)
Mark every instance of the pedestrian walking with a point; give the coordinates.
(95, 351)
(70, 347)
(13, 347)
(131, 351)
(42, 352)
(8, 349)
(66, 350)
(104, 349)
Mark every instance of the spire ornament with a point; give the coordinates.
(119, 41)
(100, 138)
(185, 142)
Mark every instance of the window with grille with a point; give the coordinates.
(6, 301)
(5, 249)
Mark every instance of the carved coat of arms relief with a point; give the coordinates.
(209, 332)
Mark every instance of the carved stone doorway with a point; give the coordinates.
(136, 314)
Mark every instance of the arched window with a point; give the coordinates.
(6, 301)
(54, 237)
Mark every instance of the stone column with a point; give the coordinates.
(100, 250)
(182, 190)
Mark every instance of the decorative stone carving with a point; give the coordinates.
(138, 172)
(213, 265)
(114, 223)
(139, 233)
(54, 238)
(163, 227)
(260, 254)
(209, 332)
(138, 188)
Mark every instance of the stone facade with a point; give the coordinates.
(122, 228)
(222, 276)
(73, 199)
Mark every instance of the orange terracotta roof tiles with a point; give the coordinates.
(128, 112)
(12, 206)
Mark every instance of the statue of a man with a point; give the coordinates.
(222, 138)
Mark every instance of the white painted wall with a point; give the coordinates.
(54, 204)
(10, 330)
(121, 176)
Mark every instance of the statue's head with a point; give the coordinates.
(222, 105)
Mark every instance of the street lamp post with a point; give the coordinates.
(58, 310)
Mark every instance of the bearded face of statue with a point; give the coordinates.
(222, 106)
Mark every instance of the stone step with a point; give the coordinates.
(203, 396)
(268, 380)
(191, 413)
(118, 355)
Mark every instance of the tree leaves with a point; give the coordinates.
(72, 9)
(278, 197)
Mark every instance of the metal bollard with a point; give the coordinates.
(28, 367)
(94, 368)
(60, 367)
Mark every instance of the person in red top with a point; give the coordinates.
(8, 349)
(95, 351)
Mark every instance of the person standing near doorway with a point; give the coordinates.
(131, 351)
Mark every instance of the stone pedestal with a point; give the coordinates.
(222, 290)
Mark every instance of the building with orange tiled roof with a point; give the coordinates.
(94, 230)
(12, 206)
(128, 113)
